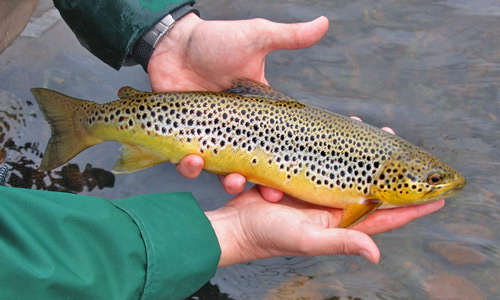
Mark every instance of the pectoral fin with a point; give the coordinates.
(353, 214)
(134, 158)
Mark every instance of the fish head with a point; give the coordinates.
(413, 178)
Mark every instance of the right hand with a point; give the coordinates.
(250, 228)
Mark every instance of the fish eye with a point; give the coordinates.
(434, 178)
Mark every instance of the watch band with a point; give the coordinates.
(143, 48)
(156, 34)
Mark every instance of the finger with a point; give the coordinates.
(339, 241)
(233, 183)
(293, 36)
(270, 194)
(191, 166)
(388, 219)
(388, 129)
(264, 80)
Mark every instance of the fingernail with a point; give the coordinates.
(366, 255)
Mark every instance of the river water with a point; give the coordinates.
(428, 69)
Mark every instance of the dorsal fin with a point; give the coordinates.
(127, 92)
(251, 88)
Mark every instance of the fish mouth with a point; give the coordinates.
(437, 193)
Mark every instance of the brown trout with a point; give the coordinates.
(261, 133)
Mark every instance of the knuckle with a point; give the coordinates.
(346, 242)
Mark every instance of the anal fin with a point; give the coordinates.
(134, 158)
(354, 214)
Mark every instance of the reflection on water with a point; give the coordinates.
(69, 179)
(429, 69)
(22, 171)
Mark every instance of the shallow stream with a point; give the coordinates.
(428, 69)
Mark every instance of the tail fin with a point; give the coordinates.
(64, 115)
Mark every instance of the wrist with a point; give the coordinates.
(231, 236)
(145, 46)
(172, 53)
(178, 36)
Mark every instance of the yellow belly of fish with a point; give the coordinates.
(228, 160)
(233, 161)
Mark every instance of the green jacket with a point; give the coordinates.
(109, 29)
(66, 246)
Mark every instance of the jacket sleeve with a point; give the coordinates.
(67, 246)
(109, 29)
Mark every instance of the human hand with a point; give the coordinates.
(249, 228)
(208, 55)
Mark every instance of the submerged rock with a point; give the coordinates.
(472, 230)
(458, 253)
(445, 286)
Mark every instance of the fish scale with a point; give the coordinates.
(268, 137)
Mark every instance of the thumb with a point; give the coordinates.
(281, 36)
(343, 241)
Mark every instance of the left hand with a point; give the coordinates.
(208, 55)
(249, 228)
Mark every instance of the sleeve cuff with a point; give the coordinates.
(109, 29)
(181, 246)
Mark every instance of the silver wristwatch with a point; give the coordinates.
(159, 31)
